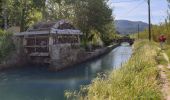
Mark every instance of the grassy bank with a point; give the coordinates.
(167, 50)
(136, 80)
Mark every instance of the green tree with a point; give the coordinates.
(95, 14)
(1, 16)
(100, 18)
(86, 15)
(18, 12)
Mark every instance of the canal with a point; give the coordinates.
(37, 83)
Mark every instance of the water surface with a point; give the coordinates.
(37, 83)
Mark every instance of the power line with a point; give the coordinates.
(149, 19)
(138, 30)
(155, 18)
(125, 1)
(134, 8)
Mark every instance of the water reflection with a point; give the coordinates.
(34, 83)
(121, 56)
(96, 67)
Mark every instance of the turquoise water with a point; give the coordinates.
(37, 83)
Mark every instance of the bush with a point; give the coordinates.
(6, 45)
(96, 40)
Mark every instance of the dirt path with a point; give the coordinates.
(165, 82)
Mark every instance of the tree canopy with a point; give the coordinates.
(86, 15)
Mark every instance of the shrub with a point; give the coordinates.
(6, 45)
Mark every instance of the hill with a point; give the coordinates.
(129, 27)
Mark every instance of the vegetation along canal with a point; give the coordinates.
(35, 83)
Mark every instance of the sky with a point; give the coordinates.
(137, 10)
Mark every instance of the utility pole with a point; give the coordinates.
(149, 18)
(138, 31)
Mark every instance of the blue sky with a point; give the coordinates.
(138, 10)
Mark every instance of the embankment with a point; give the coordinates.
(136, 80)
(13, 60)
(80, 57)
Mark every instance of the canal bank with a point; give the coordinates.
(17, 60)
(37, 83)
(136, 79)
(14, 60)
(83, 57)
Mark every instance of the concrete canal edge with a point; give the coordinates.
(20, 60)
(85, 58)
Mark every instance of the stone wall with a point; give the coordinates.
(16, 58)
(64, 55)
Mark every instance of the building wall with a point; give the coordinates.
(64, 55)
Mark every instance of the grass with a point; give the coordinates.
(138, 79)
(164, 56)
(167, 69)
(167, 50)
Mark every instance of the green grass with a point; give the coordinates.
(167, 50)
(167, 70)
(164, 56)
(138, 79)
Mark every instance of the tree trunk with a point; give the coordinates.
(44, 11)
(22, 25)
(5, 18)
(59, 9)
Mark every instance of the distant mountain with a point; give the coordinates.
(129, 27)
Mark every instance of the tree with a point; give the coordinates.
(40, 5)
(94, 14)
(60, 9)
(100, 18)
(1, 16)
(18, 13)
(5, 5)
(86, 15)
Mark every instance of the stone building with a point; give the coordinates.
(56, 43)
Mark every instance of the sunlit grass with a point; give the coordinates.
(167, 50)
(136, 80)
(164, 56)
